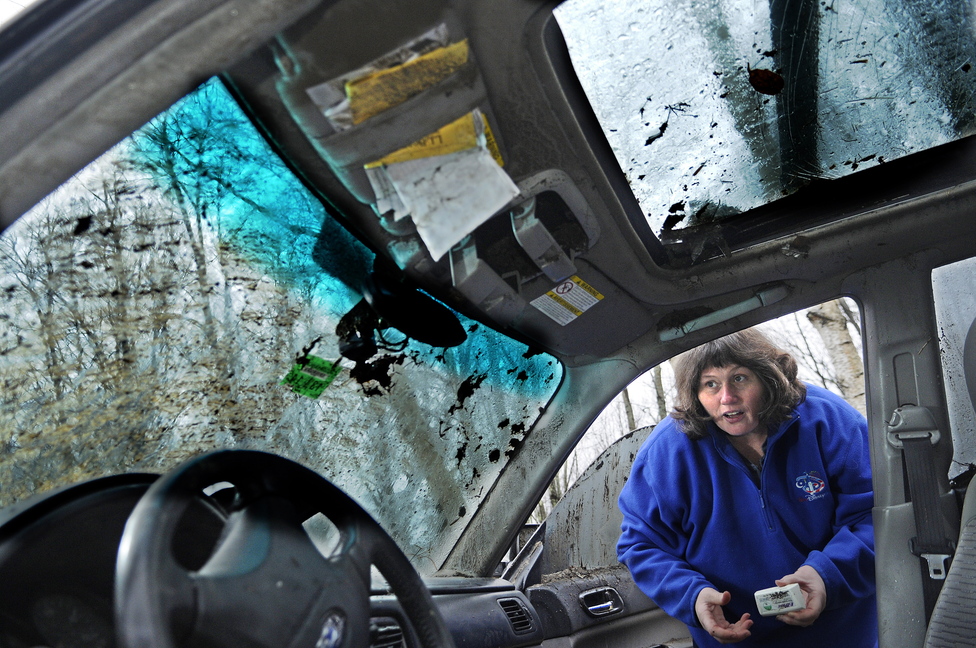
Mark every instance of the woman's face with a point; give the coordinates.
(733, 397)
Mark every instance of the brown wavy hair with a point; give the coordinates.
(775, 368)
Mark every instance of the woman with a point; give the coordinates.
(755, 480)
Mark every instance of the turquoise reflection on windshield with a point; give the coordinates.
(208, 155)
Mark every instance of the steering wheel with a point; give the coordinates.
(265, 584)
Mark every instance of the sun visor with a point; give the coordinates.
(409, 133)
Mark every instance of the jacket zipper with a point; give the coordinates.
(762, 498)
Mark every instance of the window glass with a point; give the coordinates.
(955, 310)
(825, 340)
(182, 294)
(714, 108)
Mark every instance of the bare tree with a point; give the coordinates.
(628, 409)
(641, 404)
(658, 378)
(122, 283)
(831, 321)
(175, 151)
(824, 340)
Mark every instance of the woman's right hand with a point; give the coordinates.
(708, 607)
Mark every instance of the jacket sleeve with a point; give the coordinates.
(846, 563)
(652, 542)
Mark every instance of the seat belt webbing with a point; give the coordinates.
(913, 429)
(930, 544)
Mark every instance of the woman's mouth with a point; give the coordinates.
(732, 415)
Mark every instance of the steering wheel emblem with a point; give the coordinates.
(332, 629)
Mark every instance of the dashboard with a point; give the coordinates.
(57, 565)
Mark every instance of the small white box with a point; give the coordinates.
(780, 600)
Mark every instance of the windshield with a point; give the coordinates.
(714, 108)
(183, 293)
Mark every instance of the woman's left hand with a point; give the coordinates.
(813, 588)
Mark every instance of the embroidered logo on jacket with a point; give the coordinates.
(811, 484)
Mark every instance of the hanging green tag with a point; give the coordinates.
(311, 377)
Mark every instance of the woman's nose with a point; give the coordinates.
(728, 394)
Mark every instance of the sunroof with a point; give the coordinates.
(714, 108)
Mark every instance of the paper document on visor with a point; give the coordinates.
(448, 196)
(448, 182)
(377, 92)
(462, 134)
(389, 80)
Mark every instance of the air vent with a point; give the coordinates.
(517, 615)
(385, 633)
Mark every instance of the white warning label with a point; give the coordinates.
(568, 300)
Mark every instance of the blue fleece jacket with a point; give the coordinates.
(695, 517)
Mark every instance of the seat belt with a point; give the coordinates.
(913, 430)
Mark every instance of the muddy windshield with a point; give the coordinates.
(186, 292)
(714, 108)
